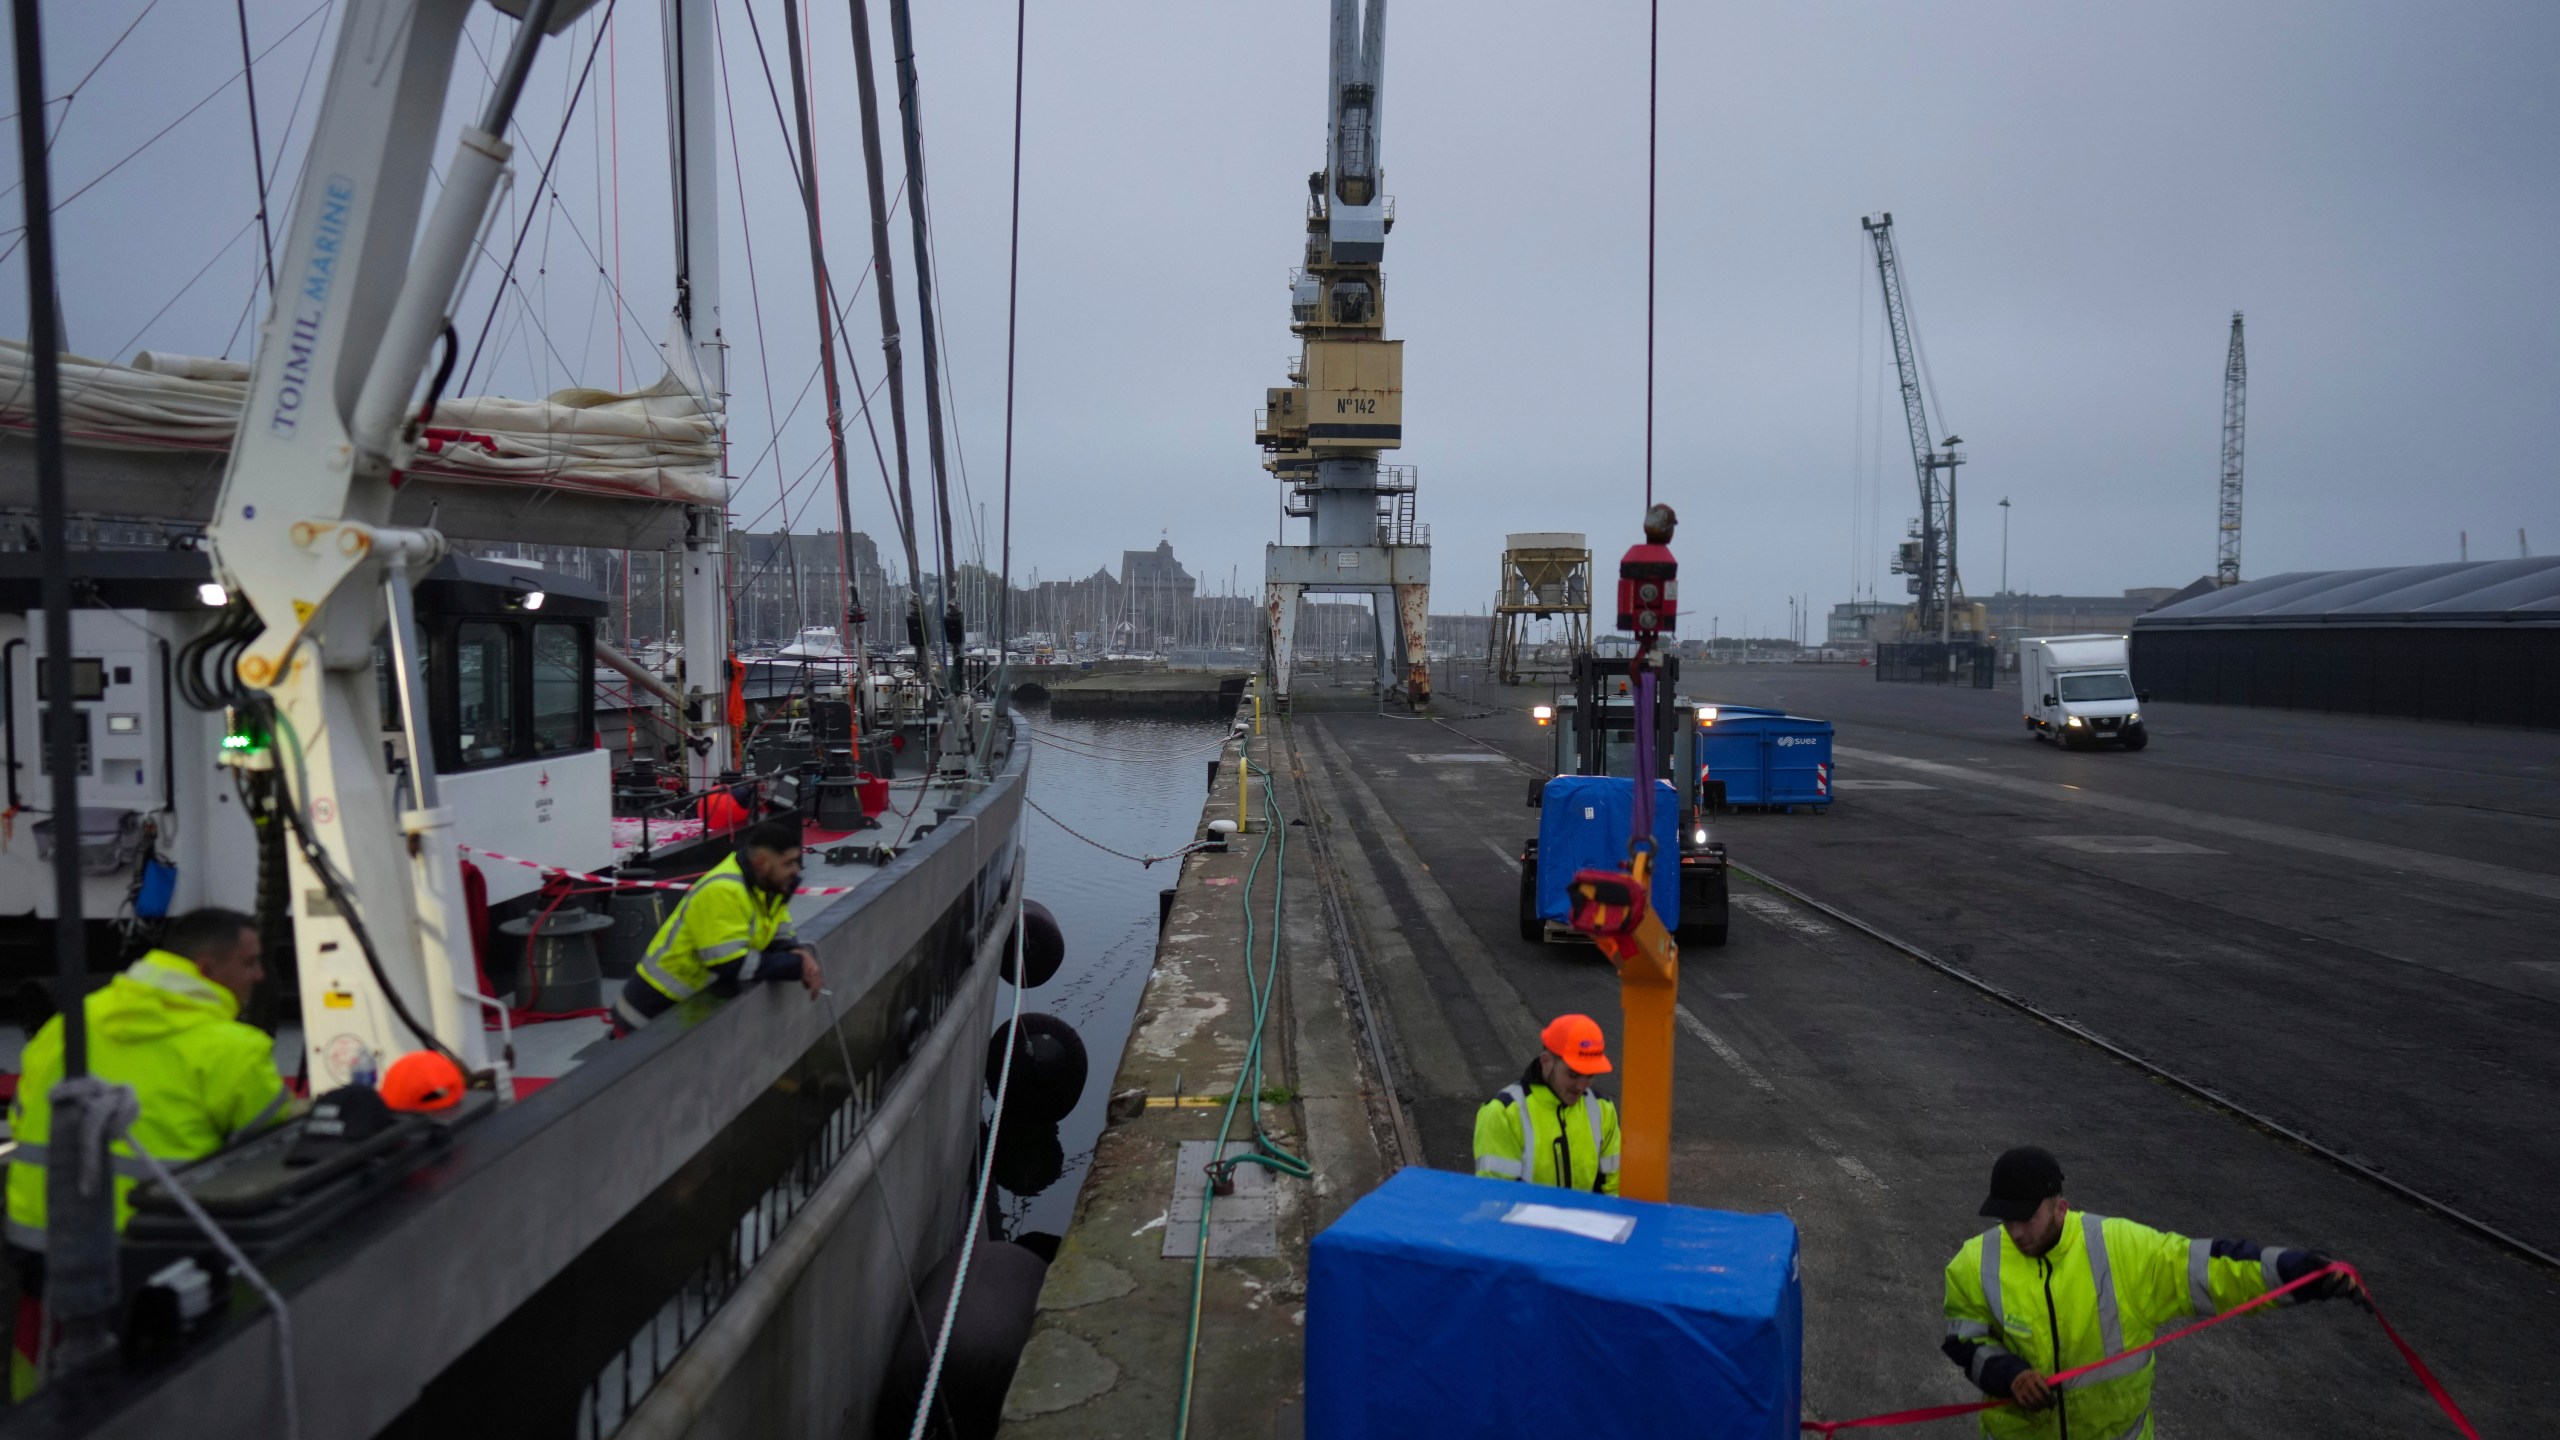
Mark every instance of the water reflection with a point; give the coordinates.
(1134, 786)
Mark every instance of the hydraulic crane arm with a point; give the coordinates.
(300, 534)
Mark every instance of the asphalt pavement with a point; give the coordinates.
(2339, 923)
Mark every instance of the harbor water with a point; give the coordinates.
(1100, 785)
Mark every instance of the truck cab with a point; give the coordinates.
(1592, 731)
(2078, 690)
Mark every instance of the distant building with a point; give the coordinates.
(1159, 590)
(1862, 622)
(2016, 616)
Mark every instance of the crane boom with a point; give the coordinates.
(2235, 426)
(1929, 557)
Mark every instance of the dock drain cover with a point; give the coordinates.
(1243, 1225)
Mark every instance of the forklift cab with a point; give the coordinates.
(1592, 731)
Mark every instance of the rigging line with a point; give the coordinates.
(158, 135)
(1652, 167)
(867, 91)
(507, 272)
(66, 97)
(1012, 327)
(755, 295)
(284, 141)
(818, 277)
(910, 106)
(613, 104)
(145, 328)
(1920, 347)
(257, 146)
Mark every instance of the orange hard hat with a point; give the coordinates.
(422, 1080)
(1575, 1039)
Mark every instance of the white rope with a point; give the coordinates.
(1147, 861)
(248, 1272)
(978, 1207)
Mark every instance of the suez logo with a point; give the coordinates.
(309, 305)
(1785, 740)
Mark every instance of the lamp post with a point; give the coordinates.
(2004, 554)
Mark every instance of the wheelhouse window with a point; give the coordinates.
(563, 689)
(484, 675)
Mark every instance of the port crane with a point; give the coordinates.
(1938, 609)
(2235, 427)
(1322, 433)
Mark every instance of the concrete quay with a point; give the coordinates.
(1107, 1354)
(2338, 924)
(1173, 693)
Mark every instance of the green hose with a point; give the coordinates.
(1266, 1152)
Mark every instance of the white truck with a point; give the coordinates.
(2078, 689)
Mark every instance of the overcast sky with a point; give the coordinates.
(2083, 195)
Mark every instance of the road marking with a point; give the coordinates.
(2366, 852)
(1857, 1168)
(1778, 912)
(1880, 785)
(1850, 1164)
(1724, 1052)
(1459, 757)
(2124, 845)
(1498, 848)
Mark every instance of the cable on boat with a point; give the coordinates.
(1266, 1152)
(978, 1206)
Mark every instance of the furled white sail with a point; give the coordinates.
(660, 443)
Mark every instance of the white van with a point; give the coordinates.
(2078, 689)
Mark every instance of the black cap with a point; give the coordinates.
(2021, 1180)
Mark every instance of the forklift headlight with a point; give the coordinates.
(1546, 713)
(2073, 722)
(1698, 836)
(211, 593)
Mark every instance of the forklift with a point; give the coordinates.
(1594, 731)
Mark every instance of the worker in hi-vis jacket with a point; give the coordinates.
(733, 926)
(1547, 1127)
(2048, 1290)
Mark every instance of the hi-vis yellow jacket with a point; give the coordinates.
(203, 1077)
(723, 923)
(1523, 1134)
(2107, 1286)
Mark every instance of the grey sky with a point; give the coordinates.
(2083, 195)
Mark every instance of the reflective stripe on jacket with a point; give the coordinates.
(705, 943)
(2106, 1287)
(203, 1079)
(1522, 1133)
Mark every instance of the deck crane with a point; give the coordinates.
(1938, 610)
(301, 533)
(2235, 426)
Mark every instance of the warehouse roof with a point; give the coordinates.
(2484, 592)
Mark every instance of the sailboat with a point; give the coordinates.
(608, 1237)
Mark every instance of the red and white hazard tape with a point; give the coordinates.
(622, 884)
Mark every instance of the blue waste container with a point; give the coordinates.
(1767, 759)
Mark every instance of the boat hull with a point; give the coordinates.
(625, 1252)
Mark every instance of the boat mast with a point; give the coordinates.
(867, 92)
(902, 37)
(825, 288)
(697, 354)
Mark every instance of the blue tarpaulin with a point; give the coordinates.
(1430, 1314)
(1583, 824)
